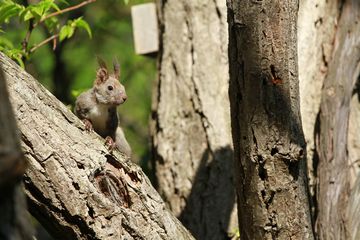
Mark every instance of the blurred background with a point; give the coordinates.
(70, 68)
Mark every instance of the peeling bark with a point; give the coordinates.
(191, 118)
(15, 220)
(266, 126)
(75, 187)
(333, 171)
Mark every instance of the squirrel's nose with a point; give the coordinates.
(124, 98)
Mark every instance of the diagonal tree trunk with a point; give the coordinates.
(267, 133)
(15, 220)
(75, 187)
(191, 118)
(333, 171)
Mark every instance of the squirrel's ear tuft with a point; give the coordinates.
(116, 68)
(101, 75)
(101, 62)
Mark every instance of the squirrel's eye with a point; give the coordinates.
(110, 88)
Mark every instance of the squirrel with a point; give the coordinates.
(97, 107)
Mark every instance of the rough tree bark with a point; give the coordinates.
(333, 171)
(266, 126)
(353, 138)
(15, 220)
(317, 23)
(75, 187)
(191, 118)
(353, 148)
(353, 211)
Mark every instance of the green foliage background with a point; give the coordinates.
(110, 22)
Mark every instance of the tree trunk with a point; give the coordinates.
(267, 133)
(353, 211)
(14, 221)
(353, 138)
(353, 149)
(333, 170)
(191, 118)
(75, 187)
(317, 23)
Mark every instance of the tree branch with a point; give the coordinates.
(75, 187)
(25, 42)
(33, 25)
(67, 10)
(44, 42)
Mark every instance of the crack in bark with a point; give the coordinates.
(217, 9)
(133, 174)
(324, 57)
(174, 67)
(113, 188)
(261, 168)
(266, 193)
(273, 227)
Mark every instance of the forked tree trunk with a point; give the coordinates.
(75, 187)
(267, 133)
(333, 171)
(191, 117)
(14, 220)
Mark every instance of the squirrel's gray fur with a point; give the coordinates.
(97, 106)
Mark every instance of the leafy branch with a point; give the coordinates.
(46, 13)
(67, 9)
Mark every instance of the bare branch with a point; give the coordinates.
(53, 37)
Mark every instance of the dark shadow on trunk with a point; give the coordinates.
(209, 180)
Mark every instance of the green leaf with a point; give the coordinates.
(6, 43)
(28, 16)
(36, 11)
(54, 6)
(17, 55)
(66, 32)
(19, 60)
(80, 23)
(43, 7)
(9, 9)
(25, 15)
(52, 24)
(126, 2)
(63, 1)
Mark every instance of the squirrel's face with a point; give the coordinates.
(108, 89)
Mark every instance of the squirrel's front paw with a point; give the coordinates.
(109, 142)
(88, 125)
